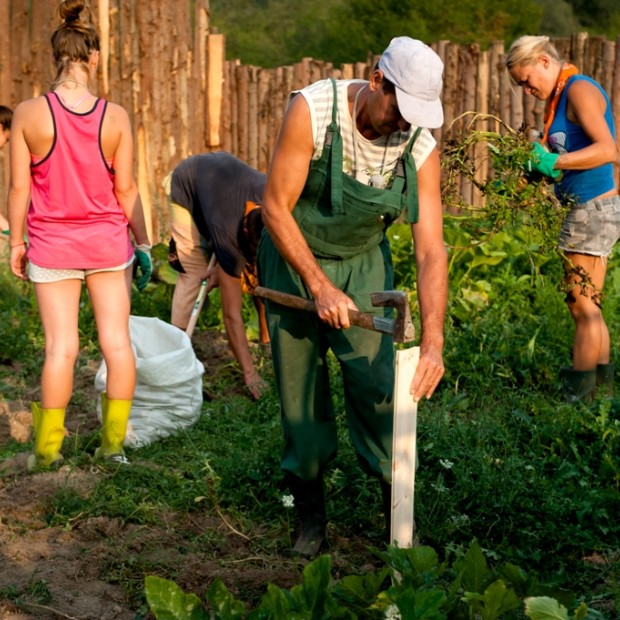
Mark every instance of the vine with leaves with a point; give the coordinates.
(494, 162)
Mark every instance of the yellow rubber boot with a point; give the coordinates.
(115, 415)
(49, 432)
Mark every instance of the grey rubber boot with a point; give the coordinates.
(579, 385)
(605, 379)
(310, 503)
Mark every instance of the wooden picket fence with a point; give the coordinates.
(161, 62)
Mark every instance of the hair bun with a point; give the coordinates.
(72, 18)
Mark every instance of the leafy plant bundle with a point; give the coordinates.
(494, 163)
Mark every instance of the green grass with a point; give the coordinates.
(502, 459)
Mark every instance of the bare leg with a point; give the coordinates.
(591, 344)
(110, 294)
(263, 331)
(59, 307)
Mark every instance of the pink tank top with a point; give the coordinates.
(74, 219)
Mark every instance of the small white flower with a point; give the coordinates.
(440, 487)
(288, 501)
(446, 464)
(392, 613)
(459, 520)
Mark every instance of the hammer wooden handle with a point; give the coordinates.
(360, 319)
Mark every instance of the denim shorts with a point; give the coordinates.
(592, 227)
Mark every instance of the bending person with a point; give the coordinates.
(214, 209)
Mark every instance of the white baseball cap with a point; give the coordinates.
(416, 72)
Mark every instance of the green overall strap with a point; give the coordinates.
(335, 145)
(406, 177)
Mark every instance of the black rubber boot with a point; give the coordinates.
(579, 385)
(310, 503)
(605, 380)
(386, 503)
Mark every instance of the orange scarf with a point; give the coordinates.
(566, 72)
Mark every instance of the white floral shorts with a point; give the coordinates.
(41, 275)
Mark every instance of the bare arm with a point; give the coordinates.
(232, 301)
(432, 267)
(287, 175)
(125, 189)
(586, 108)
(19, 188)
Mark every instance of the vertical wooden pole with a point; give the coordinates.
(215, 85)
(404, 449)
(252, 118)
(104, 36)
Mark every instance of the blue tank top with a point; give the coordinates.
(566, 137)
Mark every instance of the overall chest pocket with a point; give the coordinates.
(361, 223)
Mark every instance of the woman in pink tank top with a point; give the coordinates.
(72, 182)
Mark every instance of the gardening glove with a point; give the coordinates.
(542, 161)
(144, 265)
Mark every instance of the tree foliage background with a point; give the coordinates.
(269, 33)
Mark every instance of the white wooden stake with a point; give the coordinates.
(404, 449)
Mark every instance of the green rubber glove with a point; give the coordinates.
(145, 265)
(542, 161)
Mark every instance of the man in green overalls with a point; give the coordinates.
(350, 156)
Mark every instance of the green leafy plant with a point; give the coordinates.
(493, 162)
(413, 585)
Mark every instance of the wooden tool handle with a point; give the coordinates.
(360, 319)
(285, 299)
(200, 300)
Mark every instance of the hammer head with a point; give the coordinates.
(403, 327)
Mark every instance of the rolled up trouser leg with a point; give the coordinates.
(193, 260)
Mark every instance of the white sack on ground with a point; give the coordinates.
(168, 394)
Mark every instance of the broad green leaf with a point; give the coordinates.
(275, 602)
(312, 594)
(581, 612)
(492, 258)
(361, 589)
(167, 601)
(424, 559)
(225, 606)
(514, 574)
(421, 604)
(496, 601)
(544, 608)
(475, 573)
